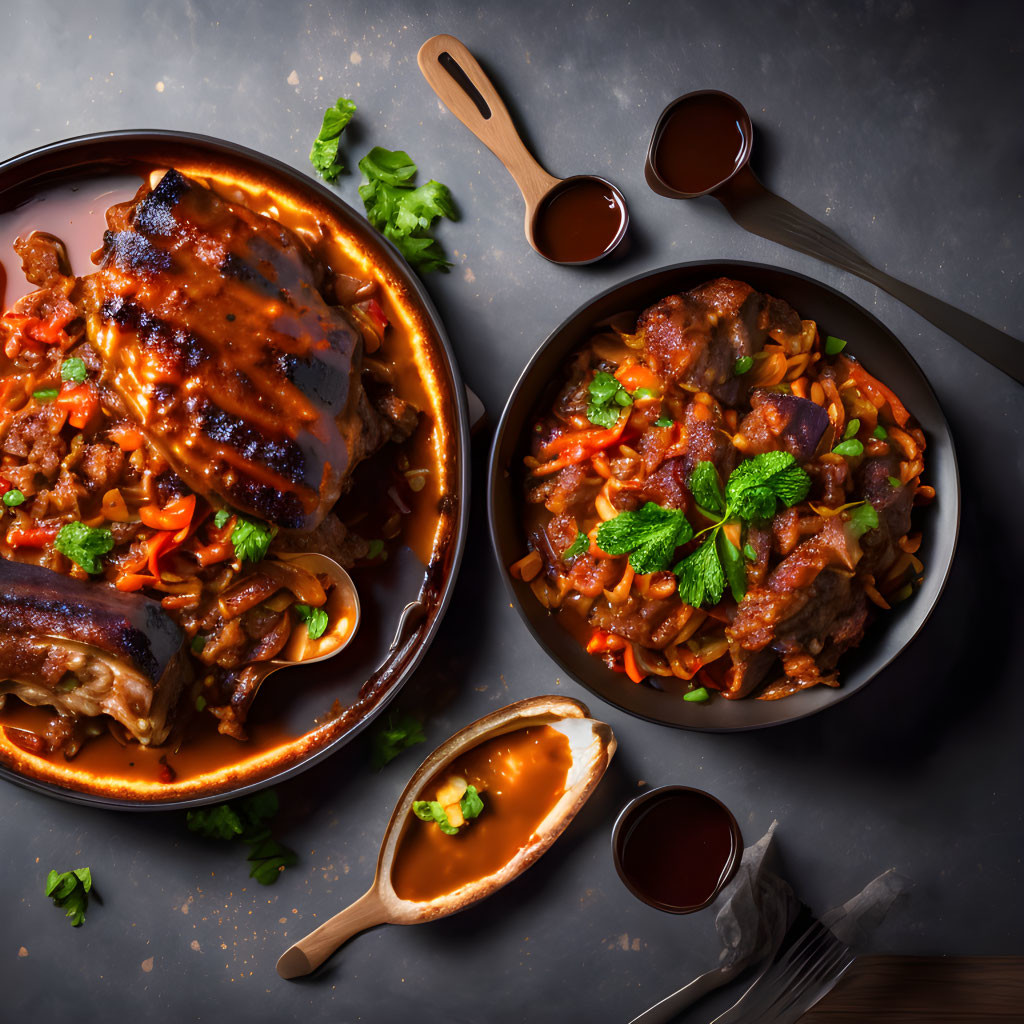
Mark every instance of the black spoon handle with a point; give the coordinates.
(763, 213)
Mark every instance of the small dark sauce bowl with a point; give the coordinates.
(630, 818)
(658, 183)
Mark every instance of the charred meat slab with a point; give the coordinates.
(87, 649)
(213, 329)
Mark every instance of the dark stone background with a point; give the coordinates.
(899, 125)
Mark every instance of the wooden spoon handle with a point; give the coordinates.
(310, 952)
(461, 85)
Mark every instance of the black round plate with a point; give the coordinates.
(872, 343)
(402, 605)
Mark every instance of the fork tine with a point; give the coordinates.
(815, 971)
(774, 980)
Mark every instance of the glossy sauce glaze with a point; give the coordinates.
(676, 849)
(700, 144)
(520, 777)
(579, 221)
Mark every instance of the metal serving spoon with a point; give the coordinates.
(764, 213)
(569, 221)
(343, 613)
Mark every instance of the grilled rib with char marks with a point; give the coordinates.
(87, 649)
(214, 331)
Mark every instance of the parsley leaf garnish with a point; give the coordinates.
(400, 210)
(649, 536)
(863, 518)
(248, 820)
(45, 394)
(73, 370)
(250, 537)
(665, 421)
(84, 545)
(13, 498)
(430, 810)
(578, 547)
(314, 618)
(70, 891)
(753, 491)
(389, 742)
(221, 518)
(607, 397)
(852, 447)
(705, 488)
(324, 154)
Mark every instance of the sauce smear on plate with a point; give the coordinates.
(520, 777)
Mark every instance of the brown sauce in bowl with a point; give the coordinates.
(701, 143)
(520, 777)
(676, 848)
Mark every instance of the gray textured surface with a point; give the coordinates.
(899, 124)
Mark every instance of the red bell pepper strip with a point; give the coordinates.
(36, 537)
(80, 402)
(175, 516)
(875, 388)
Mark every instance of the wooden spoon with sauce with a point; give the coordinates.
(574, 220)
(536, 761)
(342, 609)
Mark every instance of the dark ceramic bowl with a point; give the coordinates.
(403, 602)
(645, 887)
(880, 352)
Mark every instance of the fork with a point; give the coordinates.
(797, 979)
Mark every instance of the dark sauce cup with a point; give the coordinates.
(676, 848)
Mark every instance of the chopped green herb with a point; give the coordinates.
(198, 643)
(84, 545)
(895, 481)
(742, 365)
(221, 518)
(650, 536)
(430, 810)
(851, 429)
(389, 742)
(13, 498)
(753, 491)
(706, 489)
(665, 421)
(402, 212)
(862, 518)
(580, 545)
(732, 563)
(251, 538)
(200, 703)
(45, 394)
(697, 696)
(375, 548)
(70, 891)
(249, 820)
(314, 618)
(74, 370)
(748, 550)
(880, 433)
(643, 393)
(607, 396)
(269, 858)
(833, 345)
(324, 154)
(852, 448)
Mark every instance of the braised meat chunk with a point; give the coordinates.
(86, 649)
(213, 329)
